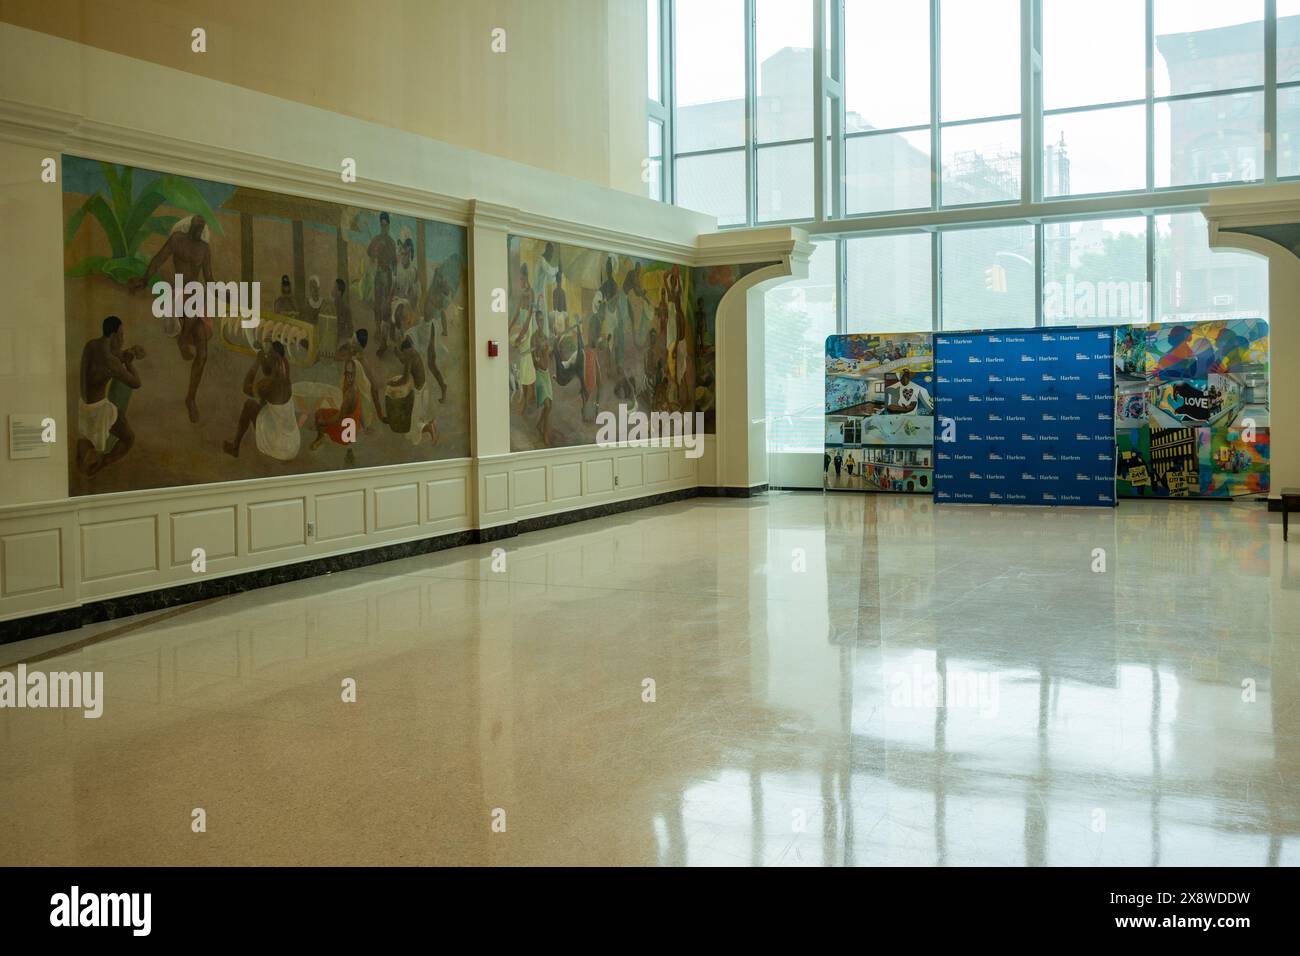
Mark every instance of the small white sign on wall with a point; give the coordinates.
(27, 436)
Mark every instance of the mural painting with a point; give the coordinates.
(297, 336)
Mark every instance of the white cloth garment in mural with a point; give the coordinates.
(95, 421)
(277, 431)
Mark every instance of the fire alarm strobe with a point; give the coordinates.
(492, 348)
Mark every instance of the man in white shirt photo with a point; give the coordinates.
(910, 397)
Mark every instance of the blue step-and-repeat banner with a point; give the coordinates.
(1025, 416)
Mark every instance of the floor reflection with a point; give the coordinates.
(837, 679)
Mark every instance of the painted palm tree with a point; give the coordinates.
(127, 220)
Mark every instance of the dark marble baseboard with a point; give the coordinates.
(110, 609)
(717, 491)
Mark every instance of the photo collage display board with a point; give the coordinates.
(879, 413)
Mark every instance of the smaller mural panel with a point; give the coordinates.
(880, 413)
(1192, 409)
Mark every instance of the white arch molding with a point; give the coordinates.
(1224, 218)
(739, 374)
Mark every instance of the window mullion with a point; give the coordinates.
(1030, 64)
(1150, 95)
(751, 114)
(1270, 91)
(820, 28)
(936, 161)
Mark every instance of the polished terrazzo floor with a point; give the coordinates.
(797, 643)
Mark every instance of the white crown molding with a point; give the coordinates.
(765, 244)
(1238, 215)
(468, 187)
(64, 132)
(90, 139)
(534, 226)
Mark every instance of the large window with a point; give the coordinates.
(799, 316)
(887, 134)
(1094, 97)
(783, 39)
(1209, 76)
(889, 282)
(982, 163)
(979, 112)
(1095, 272)
(656, 172)
(710, 102)
(988, 277)
(930, 105)
(1288, 87)
(1194, 282)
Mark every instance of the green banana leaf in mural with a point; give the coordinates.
(128, 221)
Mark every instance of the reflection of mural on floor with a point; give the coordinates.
(1192, 410)
(880, 401)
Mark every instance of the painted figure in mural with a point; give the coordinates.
(523, 310)
(543, 353)
(104, 360)
(191, 256)
(635, 303)
(685, 374)
(661, 315)
(611, 326)
(699, 324)
(560, 304)
(619, 322)
(523, 347)
(653, 377)
(340, 425)
(382, 252)
(415, 382)
(343, 310)
(312, 312)
(437, 299)
(545, 273)
(909, 397)
(406, 277)
(268, 408)
(591, 372)
(423, 336)
(284, 303)
(676, 316)
(368, 376)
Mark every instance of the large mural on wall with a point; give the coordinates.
(880, 401)
(298, 336)
(1192, 409)
(591, 331)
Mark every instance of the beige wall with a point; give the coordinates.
(568, 94)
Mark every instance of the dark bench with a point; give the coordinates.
(1290, 502)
